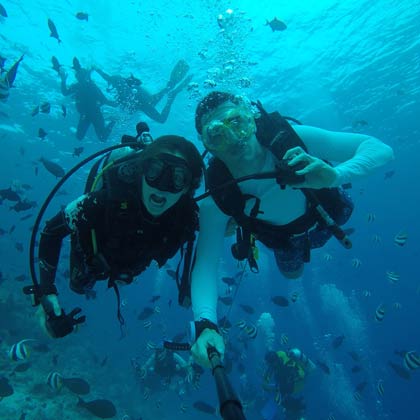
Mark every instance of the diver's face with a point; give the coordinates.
(229, 130)
(165, 181)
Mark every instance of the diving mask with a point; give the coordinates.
(233, 128)
(167, 172)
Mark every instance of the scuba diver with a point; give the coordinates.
(7, 78)
(164, 367)
(273, 180)
(131, 96)
(285, 376)
(137, 209)
(89, 100)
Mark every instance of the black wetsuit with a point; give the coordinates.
(127, 238)
(89, 99)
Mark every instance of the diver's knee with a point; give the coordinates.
(293, 275)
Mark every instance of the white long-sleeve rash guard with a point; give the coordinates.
(357, 155)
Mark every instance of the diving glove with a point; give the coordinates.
(62, 325)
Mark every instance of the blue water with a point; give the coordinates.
(338, 63)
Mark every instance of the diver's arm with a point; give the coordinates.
(209, 250)
(55, 231)
(105, 76)
(358, 154)
(66, 91)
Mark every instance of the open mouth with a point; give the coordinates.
(157, 200)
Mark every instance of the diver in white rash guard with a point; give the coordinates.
(281, 211)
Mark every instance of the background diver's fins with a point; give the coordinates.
(178, 73)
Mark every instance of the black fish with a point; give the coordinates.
(276, 25)
(45, 108)
(389, 174)
(224, 323)
(19, 246)
(3, 11)
(42, 134)
(64, 109)
(21, 367)
(53, 168)
(338, 341)
(78, 151)
(171, 273)
(356, 369)
(21, 277)
(53, 30)
(5, 388)
(347, 186)
(82, 16)
(147, 312)
(77, 385)
(204, 407)
(247, 308)
(55, 64)
(28, 216)
(154, 298)
(400, 371)
(9, 194)
(230, 281)
(104, 361)
(354, 356)
(280, 301)
(323, 366)
(23, 206)
(226, 300)
(103, 409)
(360, 387)
(35, 111)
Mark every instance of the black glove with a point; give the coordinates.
(62, 325)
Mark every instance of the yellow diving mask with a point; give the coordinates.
(228, 127)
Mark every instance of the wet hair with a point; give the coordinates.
(209, 103)
(178, 144)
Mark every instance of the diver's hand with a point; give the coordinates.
(318, 174)
(207, 339)
(57, 323)
(62, 74)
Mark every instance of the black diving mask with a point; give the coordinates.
(167, 172)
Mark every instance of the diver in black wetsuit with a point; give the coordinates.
(7, 80)
(131, 96)
(89, 100)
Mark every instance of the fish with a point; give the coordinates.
(19, 351)
(230, 281)
(380, 313)
(53, 30)
(356, 263)
(3, 11)
(147, 324)
(400, 239)
(280, 301)
(356, 369)
(78, 151)
(171, 273)
(224, 322)
(77, 385)
(53, 168)
(324, 367)
(389, 174)
(294, 297)
(55, 64)
(146, 313)
(103, 361)
(82, 16)
(400, 371)
(204, 407)
(9, 194)
(397, 305)
(28, 216)
(393, 277)
(23, 206)
(19, 246)
(380, 387)
(328, 257)
(104, 409)
(284, 339)
(371, 217)
(45, 108)
(55, 381)
(42, 133)
(359, 124)
(2, 61)
(150, 345)
(361, 386)
(226, 300)
(354, 355)
(154, 298)
(35, 111)
(338, 341)
(21, 367)
(276, 25)
(5, 388)
(411, 360)
(248, 328)
(247, 308)
(64, 110)
(347, 186)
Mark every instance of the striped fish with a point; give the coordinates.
(19, 351)
(55, 381)
(411, 360)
